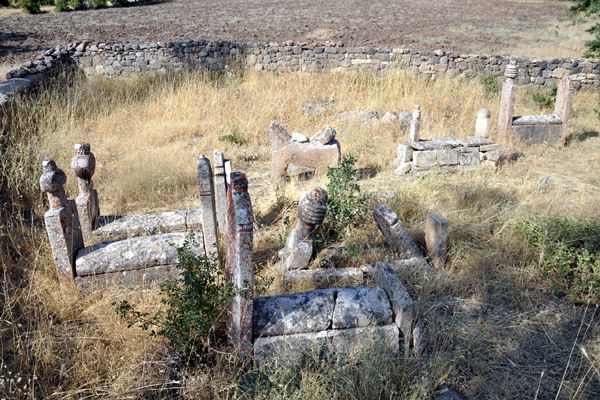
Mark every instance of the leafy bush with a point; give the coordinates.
(192, 304)
(591, 9)
(30, 6)
(233, 138)
(568, 252)
(344, 200)
(546, 100)
(77, 4)
(98, 3)
(490, 84)
(61, 5)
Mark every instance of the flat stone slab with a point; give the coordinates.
(441, 143)
(293, 313)
(359, 341)
(151, 224)
(360, 307)
(127, 279)
(551, 119)
(134, 253)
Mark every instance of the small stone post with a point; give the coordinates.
(239, 262)
(312, 210)
(396, 235)
(436, 238)
(207, 205)
(507, 102)
(88, 208)
(62, 223)
(220, 190)
(415, 125)
(562, 107)
(483, 123)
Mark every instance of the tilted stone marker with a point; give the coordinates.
(396, 235)
(436, 238)
(319, 152)
(298, 249)
(207, 204)
(62, 222)
(88, 207)
(533, 129)
(240, 221)
(220, 189)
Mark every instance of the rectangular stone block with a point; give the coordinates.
(447, 157)
(538, 134)
(366, 341)
(144, 224)
(424, 159)
(404, 153)
(360, 307)
(490, 147)
(138, 278)
(396, 235)
(436, 238)
(290, 350)
(469, 157)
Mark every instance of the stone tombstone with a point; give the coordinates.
(83, 164)
(318, 153)
(239, 241)
(436, 239)
(562, 108)
(395, 233)
(415, 125)
(207, 204)
(298, 249)
(483, 123)
(507, 102)
(220, 189)
(62, 222)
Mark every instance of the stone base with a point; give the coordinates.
(538, 134)
(126, 279)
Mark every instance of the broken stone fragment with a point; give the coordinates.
(360, 307)
(324, 136)
(436, 238)
(298, 137)
(396, 235)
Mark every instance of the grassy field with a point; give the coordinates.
(496, 328)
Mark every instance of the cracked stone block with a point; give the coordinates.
(404, 153)
(447, 157)
(490, 147)
(293, 313)
(149, 224)
(290, 350)
(144, 277)
(469, 157)
(424, 159)
(359, 307)
(361, 342)
(396, 235)
(134, 253)
(538, 134)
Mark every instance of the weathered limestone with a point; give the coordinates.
(239, 241)
(396, 235)
(436, 238)
(533, 129)
(483, 123)
(126, 279)
(415, 125)
(62, 222)
(207, 205)
(360, 307)
(312, 154)
(406, 315)
(88, 208)
(220, 190)
(312, 210)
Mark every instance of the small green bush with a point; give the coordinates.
(232, 138)
(77, 4)
(31, 6)
(98, 4)
(544, 100)
(568, 254)
(192, 304)
(61, 5)
(490, 84)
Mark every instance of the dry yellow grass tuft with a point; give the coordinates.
(494, 325)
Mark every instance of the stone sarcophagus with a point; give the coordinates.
(319, 152)
(533, 129)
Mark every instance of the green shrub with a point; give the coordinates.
(77, 4)
(31, 6)
(568, 254)
(233, 138)
(61, 5)
(119, 3)
(97, 3)
(191, 304)
(344, 200)
(546, 100)
(490, 84)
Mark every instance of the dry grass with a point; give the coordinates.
(495, 327)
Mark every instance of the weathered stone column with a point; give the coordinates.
(562, 107)
(239, 262)
(415, 125)
(507, 102)
(220, 190)
(88, 208)
(312, 210)
(62, 223)
(483, 123)
(396, 235)
(207, 205)
(436, 238)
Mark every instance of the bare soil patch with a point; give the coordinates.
(478, 26)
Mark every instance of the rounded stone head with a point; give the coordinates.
(417, 112)
(82, 148)
(483, 113)
(84, 162)
(511, 70)
(53, 178)
(312, 208)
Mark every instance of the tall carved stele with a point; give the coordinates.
(207, 205)
(62, 222)
(88, 208)
(240, 221)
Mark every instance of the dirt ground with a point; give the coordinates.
(479, 26)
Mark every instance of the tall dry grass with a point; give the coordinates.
(496, 329)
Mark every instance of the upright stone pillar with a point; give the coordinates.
(88, 208)
(298, 249)
(436, 239)
(483, 123)
(62, 223)
(220, 190)
(415, 125)
(507, 102)
(239, 262)
(207, 205)
(562, 107)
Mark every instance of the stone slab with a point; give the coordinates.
(360, 342)
(424, 159)
(441, 143)
(293, 313)
(133, 253)
(447, 157)
(360, 307)
(538, 134)
(150, 224)
(490, 147)
(551, 119)
(471, 141)
(127, 279)
(290, 350)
